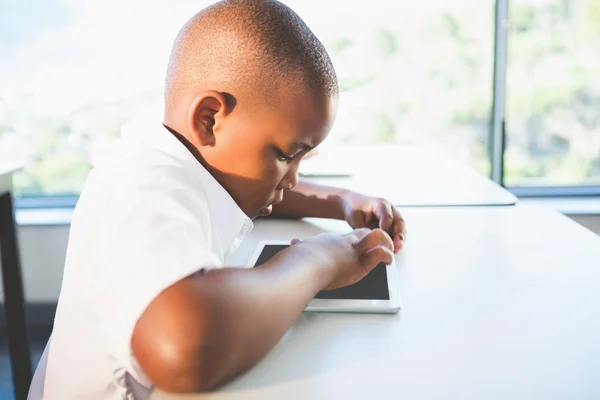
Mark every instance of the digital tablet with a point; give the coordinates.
(378, 292)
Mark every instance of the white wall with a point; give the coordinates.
(43, 255)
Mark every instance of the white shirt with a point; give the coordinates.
(146, 219)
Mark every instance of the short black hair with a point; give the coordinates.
(252, 43)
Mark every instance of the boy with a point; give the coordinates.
(145, 301)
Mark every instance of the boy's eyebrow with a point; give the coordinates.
(303, 145)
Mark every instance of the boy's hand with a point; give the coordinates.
(348, 258)
(363, 211)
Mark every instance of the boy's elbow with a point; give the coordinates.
(174, 346)
(181, 369)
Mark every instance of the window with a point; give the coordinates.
(553, 93)
(81, 70)
(411, 74)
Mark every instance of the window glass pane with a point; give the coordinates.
(553, 93)
(79, 71)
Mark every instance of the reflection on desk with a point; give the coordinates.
(499, 302)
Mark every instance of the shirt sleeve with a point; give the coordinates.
(155, 238)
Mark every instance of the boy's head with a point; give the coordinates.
(251, 89)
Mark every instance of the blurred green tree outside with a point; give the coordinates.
(553, 93)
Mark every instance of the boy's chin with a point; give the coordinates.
(265, 211)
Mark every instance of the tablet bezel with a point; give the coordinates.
(390, 306)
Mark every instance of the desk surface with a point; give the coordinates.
(420, 178)
(498, 302)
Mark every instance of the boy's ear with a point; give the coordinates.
(204, 114)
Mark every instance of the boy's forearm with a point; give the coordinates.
(311, 200)
(235, 318)
(253, 311)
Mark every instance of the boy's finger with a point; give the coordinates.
(358, 234)
(373, 222)
(399, 222)
(294, 241)
(398, 243)
(398, 237)
(357, 219)
(399, 229)
(375, 238)
(385, 216)
(377, 255)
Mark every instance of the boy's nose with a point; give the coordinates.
(290, 181)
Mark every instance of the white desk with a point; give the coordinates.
(499, 303)
(417, 177)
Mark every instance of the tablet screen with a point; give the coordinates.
(373, 287)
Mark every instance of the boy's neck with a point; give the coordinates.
(188, 145)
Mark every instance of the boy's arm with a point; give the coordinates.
(318, 201)
(311, 200)
(206, 329)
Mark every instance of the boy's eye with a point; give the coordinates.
(281, 156)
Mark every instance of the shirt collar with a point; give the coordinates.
(231, 223)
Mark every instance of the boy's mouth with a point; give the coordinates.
(267, 210)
